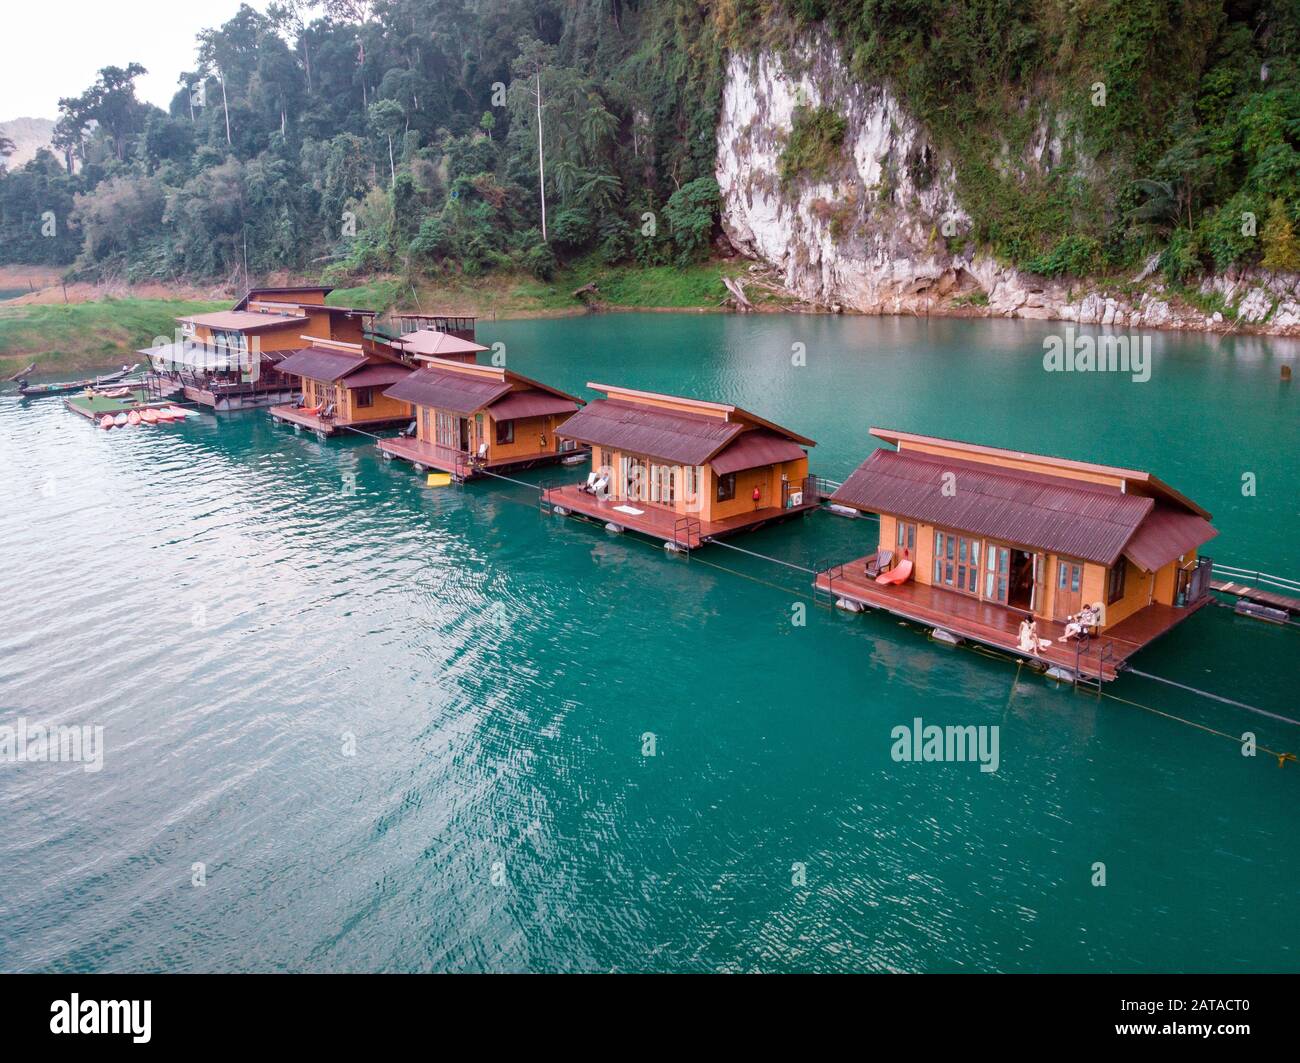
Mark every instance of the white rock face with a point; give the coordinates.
(881, 232)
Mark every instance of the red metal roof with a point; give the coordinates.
(680, 438)
(1166, 535)
(374, 376)
(529, 403)
(1056, 514)
(322, 363)
(461, 393)
(754, 449)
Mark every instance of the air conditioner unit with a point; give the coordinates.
(796, 499)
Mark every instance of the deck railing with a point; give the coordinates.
(1246, 575)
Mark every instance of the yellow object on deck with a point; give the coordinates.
(439, 479)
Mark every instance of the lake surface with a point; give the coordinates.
(241, 607)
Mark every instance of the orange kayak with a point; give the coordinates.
(106, 421)
(133, 418)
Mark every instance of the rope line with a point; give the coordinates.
(1216, 697)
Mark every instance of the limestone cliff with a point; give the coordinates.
(882, 231)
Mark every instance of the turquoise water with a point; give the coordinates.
(232, 601)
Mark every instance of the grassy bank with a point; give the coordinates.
(503, 295)
(92, 335)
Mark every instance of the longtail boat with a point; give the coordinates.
(63, 387)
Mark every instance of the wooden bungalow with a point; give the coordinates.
(975, 539)
(684, 470)
(230, 359)
(343, 386)
(476, 418)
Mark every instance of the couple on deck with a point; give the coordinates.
(1081, 623)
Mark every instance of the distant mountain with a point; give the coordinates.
(29, 136)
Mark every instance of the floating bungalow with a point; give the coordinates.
(472, 419)
(684, 470)
(974, 540)
(343, 386)
(230, 359)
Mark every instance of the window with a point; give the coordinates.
(505, 431)
(363, 397)
(906, 536)
(956, 561)
(727, 487)
(1115, 583)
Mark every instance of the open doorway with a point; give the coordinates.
(1020, 589)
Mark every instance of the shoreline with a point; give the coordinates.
(1182, 316)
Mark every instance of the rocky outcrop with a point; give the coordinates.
(882, 232)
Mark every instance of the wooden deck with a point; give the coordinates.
(327, 427)
(998, 626)
(660, 522)
(242, 398)
(1255, 594)
(458, 463)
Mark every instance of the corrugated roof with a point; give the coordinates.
(244, 320)
(461, 393)
(529, 403)
(755, 449)
(1073, 518)
(321, 363)
(681, 438)
(1166, 535)
(376, 376)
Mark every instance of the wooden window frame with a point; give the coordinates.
(363, 398)
(505, 433)
(726, 488)
(1116, 593)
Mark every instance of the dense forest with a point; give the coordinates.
(343, 137)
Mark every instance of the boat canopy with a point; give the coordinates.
(192, 356)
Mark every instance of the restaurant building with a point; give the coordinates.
(230, 359)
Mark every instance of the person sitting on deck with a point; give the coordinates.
(1029, 640)
(1082, 623)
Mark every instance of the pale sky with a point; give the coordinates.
(54, 48)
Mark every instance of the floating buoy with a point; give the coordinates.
(419, 467)
(940, 635)
(849, 605)
(617, 529)
(106, 421)
(843, 511)
(1063, 674)
(559, 511)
